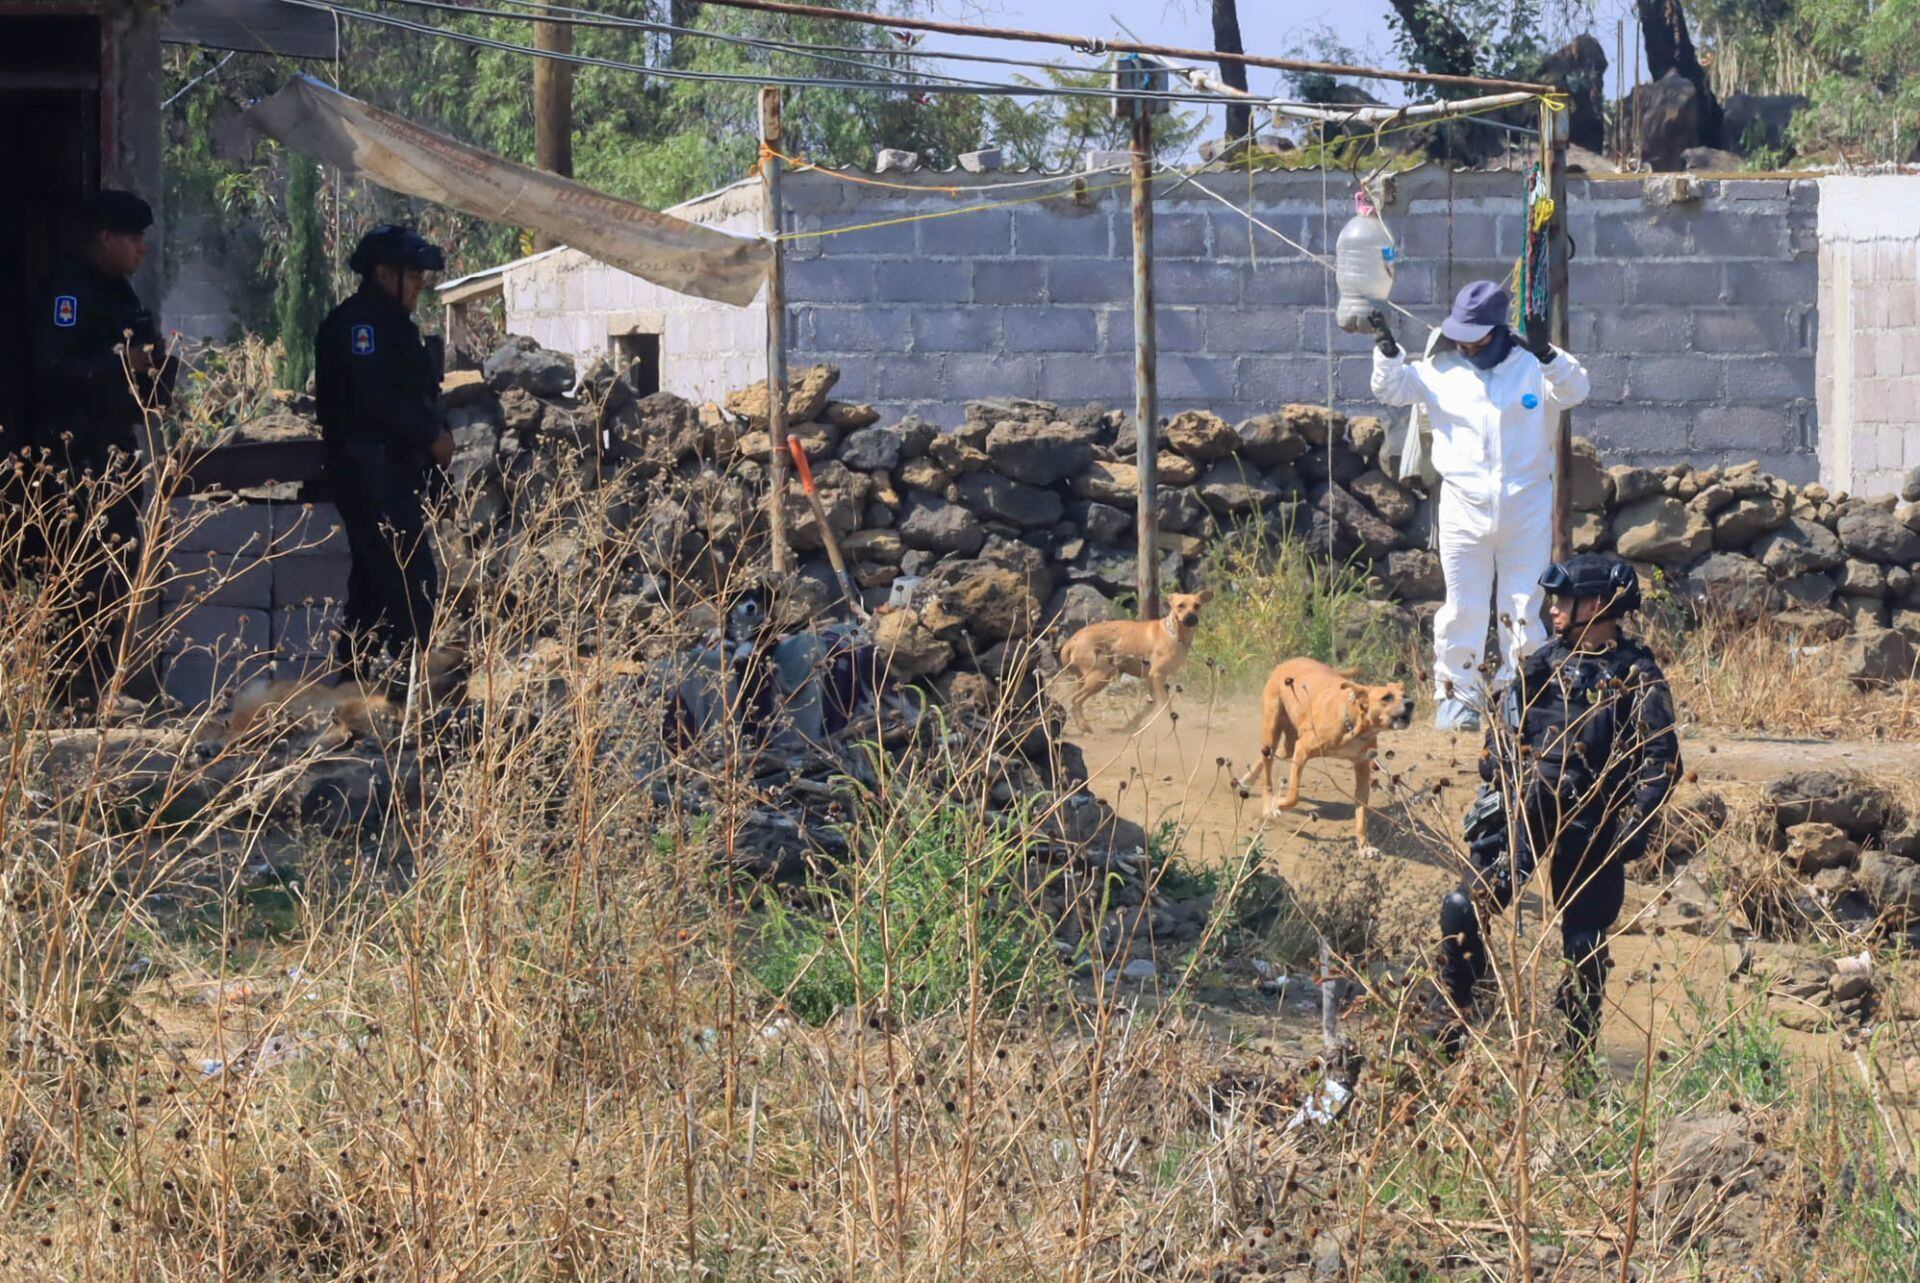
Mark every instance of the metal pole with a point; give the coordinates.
(776, 331)
(1553, 133)
(1146, 410)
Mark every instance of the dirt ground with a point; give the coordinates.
(1176, 774)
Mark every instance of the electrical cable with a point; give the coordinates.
(754, 80)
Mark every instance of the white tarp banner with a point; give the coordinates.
(318, 120)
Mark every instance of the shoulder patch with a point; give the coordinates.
(360, 337)
(66, 311)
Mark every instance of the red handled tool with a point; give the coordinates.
(805, 469)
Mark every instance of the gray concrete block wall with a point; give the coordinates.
(253, 590)
(1696, 319)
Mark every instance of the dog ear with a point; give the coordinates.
(1204, 596)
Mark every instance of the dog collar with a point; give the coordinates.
(1173, 628)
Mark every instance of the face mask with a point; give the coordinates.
(1499, 347)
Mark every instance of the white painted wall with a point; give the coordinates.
(1869, 352)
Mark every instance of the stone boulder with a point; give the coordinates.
(1669, 114)
(995, 603)
(1355, 522)
(1699, 1163)
(1313, 424)
(1201, 435)
(1662, 530)
(850, 417)
(1114, 483)
(1728, 586)
(521, 363)
(1077, 605)
(1745, 520)
(1809, 627)
(1814, 846)
(1414, 575)
(1891, 885)
(1106, 524)
(843, 494)
(1014, 502)
(1039, 452)
(1233, 488)
(1876, 657)
(934, 525)
(1871, 533)
(1592, 486)
(1171, 469)
(1750, 122)
(1179, 510)
(992, 410)
(1395, 504)
(807, 390)
(1631, 484)
(1850, 803)
(1268, 440)
(1799, 547)
(871, 449)
(912, 650)
(1579, 70)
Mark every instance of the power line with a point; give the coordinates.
(743, 78)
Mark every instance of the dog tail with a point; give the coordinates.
(1351, 674)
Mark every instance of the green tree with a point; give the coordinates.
(300, 291)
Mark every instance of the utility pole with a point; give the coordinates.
(552, 106)
(1135, 73)
(770, 131)
(1553, 137)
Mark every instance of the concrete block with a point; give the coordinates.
(1635, 330)
(199, 679)
(1608, 376)
(985, 233)
(972, 374)
(1414, 285)
(1064, 232)
(1748, 329)
(1774, 378)
(218, 579)
(1087, 378)
(1175, 329)
(1251, 329)
(1271, 381)
(1053, 329)
(1353, 378)
(301, 636)
(203, 526)
(223, 629)
(908, 378)
(1741, 428)
(1175, 235)
(1472, 236)
(1090, 280)
(1640, 234)
(1721, 233)
(298, 581)
(1188, 281)
(1631, 431)
(1777, 282)
(832, 278)
(1199, 378)
(955, 329)
(902, 280)
(1596, 283)
(1694, 284)
(1319, 334)
(869, 242)
(308, 528)
(1013, 282)
(1282, 282)
(1674, 378)
(858, 329)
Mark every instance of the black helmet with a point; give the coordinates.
(1594, 574)
(391, 245)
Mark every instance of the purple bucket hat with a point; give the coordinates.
(1477, 309)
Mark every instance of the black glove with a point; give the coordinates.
(1382, 336)
(1536, 341)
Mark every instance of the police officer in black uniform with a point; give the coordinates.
(100, 368)
(377, 384)
(1581, 758)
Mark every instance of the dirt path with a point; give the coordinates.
(1176, 775)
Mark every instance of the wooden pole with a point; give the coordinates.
(1146, 409)
(1553, 136)
(552, 106)
(776, 331)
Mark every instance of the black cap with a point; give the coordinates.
(118, 211)
(391, 245)
(1595, 574)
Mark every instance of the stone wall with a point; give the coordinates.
(1869, 365)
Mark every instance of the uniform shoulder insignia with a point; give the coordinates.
(66, 311)
(360, 339)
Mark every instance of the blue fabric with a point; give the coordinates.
(1477, 308)
(1499, 347)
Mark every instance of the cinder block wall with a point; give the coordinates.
(253, 590)
(1869, 363)
(1697, 318)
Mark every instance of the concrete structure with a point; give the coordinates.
(1869, 364)
(1695, 305)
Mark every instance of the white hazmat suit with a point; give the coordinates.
(1493, 446)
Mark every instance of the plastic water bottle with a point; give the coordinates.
(1363, 260)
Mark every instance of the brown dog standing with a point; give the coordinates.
(1312, 710)
(1155, 649)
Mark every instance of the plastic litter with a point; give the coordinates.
(1363, 263)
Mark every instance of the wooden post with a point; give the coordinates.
(1553, 139)
(552, 106)
(1146, 409)
(776, 331)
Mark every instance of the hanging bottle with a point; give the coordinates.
(1363, 260)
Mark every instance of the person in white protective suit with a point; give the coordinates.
(1492, 399)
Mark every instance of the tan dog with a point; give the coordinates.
(1312, 710)
(1155, 649)
(341, 713)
